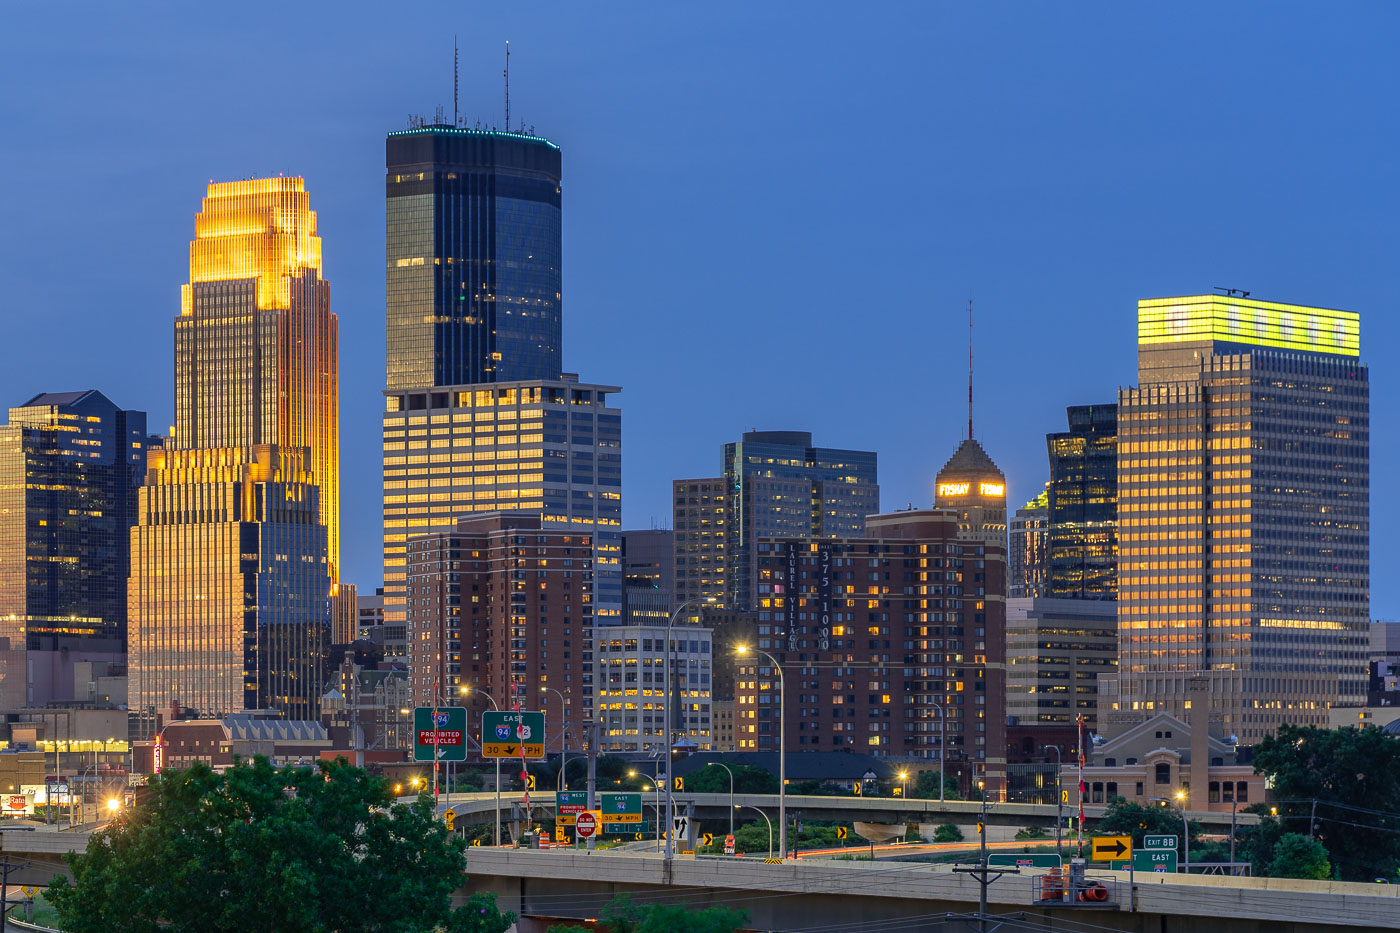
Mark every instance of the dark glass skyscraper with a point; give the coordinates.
(473, 255)
(70, 463)
(1083, 505)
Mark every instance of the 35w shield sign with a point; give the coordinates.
(440, 733)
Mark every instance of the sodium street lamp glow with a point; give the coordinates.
(113, 805)
(741, 651)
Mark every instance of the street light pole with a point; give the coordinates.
(942, 751)
(1059, 796)
(731, 793)
(766, 820)
(656, 785)
(563, 733)
(666, 732)
(782, 748)
(492, 701)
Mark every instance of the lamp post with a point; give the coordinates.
(1233, 804)
(903, 776)
(782, 746)
(666, 734)
(766, 820)
(1185, 831)
(942, 748)
(1059, 796)
(563, 734)
(731, 792)
(492, 701)
(657, 786)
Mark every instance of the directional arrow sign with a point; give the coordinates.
(1108, 848)
(680, 826)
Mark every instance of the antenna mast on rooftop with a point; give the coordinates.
(507, 85)
(454, 80)
(969, 369)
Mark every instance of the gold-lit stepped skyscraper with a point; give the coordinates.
(256, 342)
(227, 596)
(1243, 514)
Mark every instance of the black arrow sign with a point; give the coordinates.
(1116, 849)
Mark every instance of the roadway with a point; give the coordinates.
(837, 809)
(822, 894)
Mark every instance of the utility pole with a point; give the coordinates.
(4, 890)
(980, 871)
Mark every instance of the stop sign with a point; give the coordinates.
(586, 824)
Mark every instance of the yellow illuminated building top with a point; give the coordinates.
(262, 229)
(1196, 318)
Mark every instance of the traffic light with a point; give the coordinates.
(529, 782)
(449, 816)
(841, 832)
(678, 783)
(857, 787)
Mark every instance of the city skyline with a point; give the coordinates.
(1306, 249)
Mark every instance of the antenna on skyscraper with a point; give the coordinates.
(507, 85)
(454, 80)
(969, 369)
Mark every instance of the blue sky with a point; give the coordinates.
(774, 214)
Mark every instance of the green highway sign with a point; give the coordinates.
(439, 733)
(620, 808)
(1165, 841)
(504, 733)
(568, 804)
(1155, 860)
(621, 829)
(1024, 860)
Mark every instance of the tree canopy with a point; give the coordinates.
(747, 780)
(926, 787)
(1133, 819)
(1297, 856)
(1341, 786)
(259, 848)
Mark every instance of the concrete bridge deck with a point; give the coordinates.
(547, 886)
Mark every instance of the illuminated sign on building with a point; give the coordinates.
(1246, 321)
(962, 489)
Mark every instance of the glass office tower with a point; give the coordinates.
(70, 463)
(256, 344)
(473, 258)
(551, 448)
(228, 603)
(1083, 505)
(1243, 512)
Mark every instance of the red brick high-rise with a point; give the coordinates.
(504, 605)
(874, 634)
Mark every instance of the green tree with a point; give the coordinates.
(1133, 819)
(747, 780)
(623, 915)
(1353, 776)
(1297, 856)
(947, 832)
(926, 787)
(261, 849)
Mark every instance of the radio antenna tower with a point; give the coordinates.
(454, 80)
(969, 369)
(507, 85)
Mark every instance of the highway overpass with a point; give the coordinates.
(825, 896)
(471, 808)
